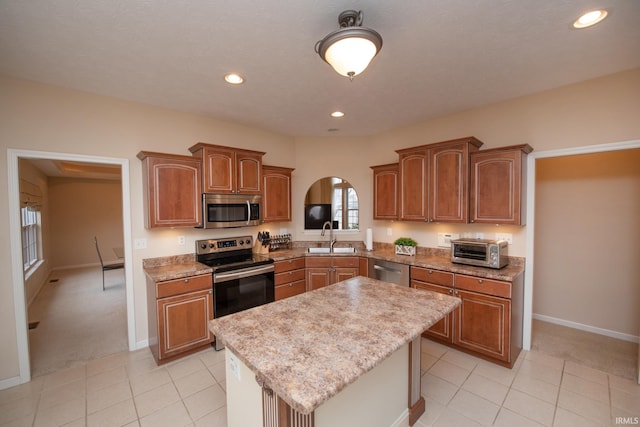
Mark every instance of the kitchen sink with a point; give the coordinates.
(344, 250)
(335, 250)
(318, 250)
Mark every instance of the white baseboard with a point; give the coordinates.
(68, 267)
(140, 345)
(587, 328)
(403, 419)
(10, 382)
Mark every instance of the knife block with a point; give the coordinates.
(260, 248)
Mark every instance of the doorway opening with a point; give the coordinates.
(18, 276)
(571, 314)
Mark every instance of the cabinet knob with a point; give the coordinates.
(480, 280)
(290, 284)
(455, 293)
(430, 271)
(450, 291)
(290, 273)
(186, 280)
(471, 221)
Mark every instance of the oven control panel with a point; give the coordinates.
(223, 245)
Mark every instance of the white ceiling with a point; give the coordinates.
(438, 56)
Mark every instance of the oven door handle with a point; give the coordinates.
(241, 274)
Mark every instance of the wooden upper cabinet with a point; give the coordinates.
(276, 201)
(498, 184)
(172, 190)
(228, 169)
(385, 191)
(412, 177)
(434, 181)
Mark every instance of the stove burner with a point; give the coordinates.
(229, 254)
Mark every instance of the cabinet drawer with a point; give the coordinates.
(350, 261)
(483, 286)
(181, 286)
(290, 289)
(318, 261)
(288, 265)
(289, 276)
(442, 278)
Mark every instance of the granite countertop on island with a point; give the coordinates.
(309, 347)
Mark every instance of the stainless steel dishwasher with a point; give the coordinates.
(388, 271)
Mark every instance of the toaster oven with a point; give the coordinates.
(480, 252)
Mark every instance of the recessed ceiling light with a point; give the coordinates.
(233, 78)
(590, 18)
(337, 114)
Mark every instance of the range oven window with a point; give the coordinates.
(241, 293)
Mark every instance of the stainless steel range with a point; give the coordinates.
(241, 279)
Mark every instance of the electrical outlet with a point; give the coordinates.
(181, 241)
(444, 239)
(389, 231)
(478, 235)
(140, 243)
(505, 236)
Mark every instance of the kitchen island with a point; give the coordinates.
(346, 354)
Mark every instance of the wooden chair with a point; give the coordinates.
(106, 266)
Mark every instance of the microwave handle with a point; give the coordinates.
(248, 212)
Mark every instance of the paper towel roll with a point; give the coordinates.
(369, 240)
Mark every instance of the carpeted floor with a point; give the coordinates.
(78, 321)
(600, 352)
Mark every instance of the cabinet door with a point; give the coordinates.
(318, 278)
(385, 191)
(443, 329)
(277, 194)
(173, 191)
(448, 187)
(248, 173)
(218, 170)
(483, 324)
(413, 185)
(497, 186)
(344, 273)
(184, 322)
(290, 289)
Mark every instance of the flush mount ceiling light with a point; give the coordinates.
(337, 114)
(590, 18)
(350, 49)
(233, 78)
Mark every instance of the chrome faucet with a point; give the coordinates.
(332, 241)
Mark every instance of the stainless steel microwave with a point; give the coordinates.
(231, 210)
(480, 252)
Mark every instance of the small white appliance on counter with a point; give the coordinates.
(480, 252)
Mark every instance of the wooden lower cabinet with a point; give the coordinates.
(324, 271)
(483, 325)
(289, 278)
(487, 324)
(179, 314)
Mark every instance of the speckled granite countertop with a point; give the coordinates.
(180, 266)
(309, 347)
(173, 267)
(435, 261)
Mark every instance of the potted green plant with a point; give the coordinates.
(405, 246)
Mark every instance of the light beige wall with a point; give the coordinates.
(47, 118)
(79, 210)
(586, 240)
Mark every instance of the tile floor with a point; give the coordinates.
(128, 389)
